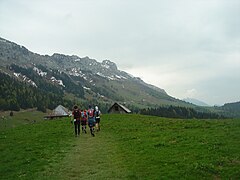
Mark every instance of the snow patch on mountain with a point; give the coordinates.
(107, 77)
(100, 74)
(60, 82)
(17, 74)
(77, 60)
(39, 72)
(100, 95)
(86, 88)
(25, 79)
(119, 77)
(77, 72)
(123, 77)
(112, 77)
(32, 82)
(105, 66)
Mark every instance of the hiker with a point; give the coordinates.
(91, 119)
(76, 120)
(97, 114)
(84, 118)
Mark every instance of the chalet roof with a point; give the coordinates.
(122, 106)
(60, 110)
(125, 109)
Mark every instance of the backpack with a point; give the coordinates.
(76, 114)
(84, 115)
(90, 113)
(97, 113)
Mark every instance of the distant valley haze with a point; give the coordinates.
(188, 48)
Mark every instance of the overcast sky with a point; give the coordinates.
(190, 48)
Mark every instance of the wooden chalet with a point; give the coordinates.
(117, 108)
(58, 112)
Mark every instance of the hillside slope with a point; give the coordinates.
(232, 109)
(195, 101)
(101, 82)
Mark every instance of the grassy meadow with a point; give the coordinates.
(23, 117)
(127, 147)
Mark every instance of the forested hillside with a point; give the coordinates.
(15, 95)
(180, 112)
(232, 109)
(48, 80)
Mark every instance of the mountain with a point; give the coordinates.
(82, 79)
(68, 79)
(195, 101)
(231, 109)
(45, 81)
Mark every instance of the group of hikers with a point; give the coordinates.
(90, 117)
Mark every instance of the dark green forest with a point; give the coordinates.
(231, 109)
(15, 95)
(69, 85)
(179, 112)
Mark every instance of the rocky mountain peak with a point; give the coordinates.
(58, 56)
(109, 65)
(102, 79)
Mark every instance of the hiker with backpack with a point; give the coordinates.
(97, 114)
(76, 119)
(91, 119)
(84, 118)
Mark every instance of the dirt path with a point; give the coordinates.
(90, 158)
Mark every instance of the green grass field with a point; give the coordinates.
(23, 117)
(127, 147)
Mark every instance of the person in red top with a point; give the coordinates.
(84, 118)
(76, 119)
(91, 119)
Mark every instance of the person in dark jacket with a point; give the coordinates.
(76, 120)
